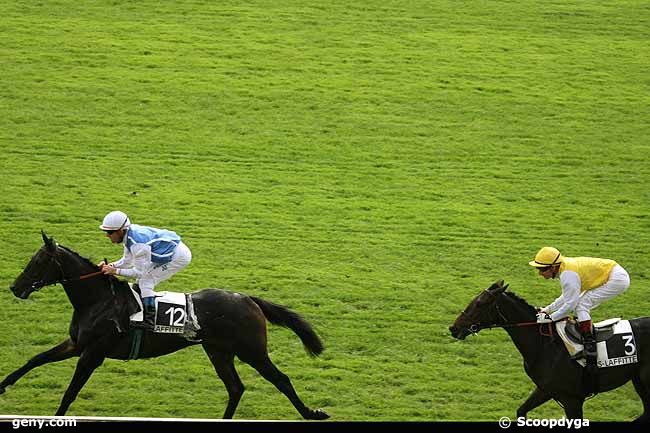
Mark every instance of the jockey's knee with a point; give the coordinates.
(583, 314)
(146, 288)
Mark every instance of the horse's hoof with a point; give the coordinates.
(318, 414)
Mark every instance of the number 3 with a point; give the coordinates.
(629, 343)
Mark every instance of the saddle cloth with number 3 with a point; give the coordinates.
(616, 344)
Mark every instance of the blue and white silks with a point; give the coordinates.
(162, 242)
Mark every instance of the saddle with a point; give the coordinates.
(614, 341)
(174, 313)
(601, 330)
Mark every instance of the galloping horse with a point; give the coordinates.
(546, 360)
(231, 324)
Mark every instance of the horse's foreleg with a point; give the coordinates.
(225, 367)
(88, 362)
(65, 350)
(535, 399)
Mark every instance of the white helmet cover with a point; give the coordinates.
(115, 220)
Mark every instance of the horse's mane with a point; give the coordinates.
(520, 300)
(125, 303)
(90, 263)
(80, 257)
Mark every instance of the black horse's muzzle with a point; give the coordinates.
(22, 293)
(460, 333)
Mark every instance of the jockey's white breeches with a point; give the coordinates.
(157, 273)
(618, 282)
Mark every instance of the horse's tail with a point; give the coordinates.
(280, 315)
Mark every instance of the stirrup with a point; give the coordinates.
(142, 325)
(590, 348)
(578, 355)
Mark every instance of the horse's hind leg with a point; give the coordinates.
(65, 350)
(271, 373)
(573, 408)
(224, 365)
(535, 399)
(644, 392)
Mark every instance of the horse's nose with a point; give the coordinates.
(15, 290)
(453, 330)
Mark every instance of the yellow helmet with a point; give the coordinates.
(547, 256)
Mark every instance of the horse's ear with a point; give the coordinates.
(498, 287)
(49, 242)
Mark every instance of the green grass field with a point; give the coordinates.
(372, 165)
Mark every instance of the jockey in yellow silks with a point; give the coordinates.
(586, 282)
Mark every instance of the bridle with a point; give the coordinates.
(474, 328)
(39, 284)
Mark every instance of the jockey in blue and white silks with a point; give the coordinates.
(151, 255)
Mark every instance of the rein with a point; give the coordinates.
(37, 285)
(474, 328)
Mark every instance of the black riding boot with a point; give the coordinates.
(591, 355)
(148, 314)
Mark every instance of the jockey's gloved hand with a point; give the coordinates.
(543, 317)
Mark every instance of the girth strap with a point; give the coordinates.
(136, 342)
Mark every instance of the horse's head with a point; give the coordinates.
(480, 313)
(43, 269)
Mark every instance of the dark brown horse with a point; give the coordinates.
(231, 324)
(546, 360)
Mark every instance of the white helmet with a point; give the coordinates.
(115, 220)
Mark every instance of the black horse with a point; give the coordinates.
(546, 360)
(231, 324)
